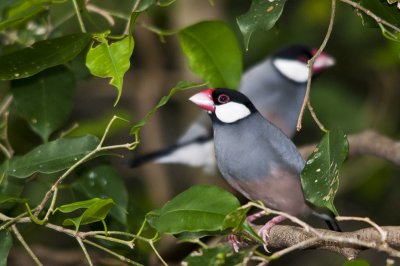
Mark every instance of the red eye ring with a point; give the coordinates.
(223, 98)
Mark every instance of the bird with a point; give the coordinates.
(276, 86)
(256, 157)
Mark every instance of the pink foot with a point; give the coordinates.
(234, 242)
(264, 231)
(251, 218)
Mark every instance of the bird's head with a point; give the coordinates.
(292, 62)
(224, 105)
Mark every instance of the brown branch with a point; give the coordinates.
(368, 142)
(348, 244)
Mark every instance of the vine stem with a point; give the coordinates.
(25, 245)
(306, 100)
(78, 15)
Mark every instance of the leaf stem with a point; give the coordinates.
(25, 245)
(310, 65)
(78, 15)
(151, 243)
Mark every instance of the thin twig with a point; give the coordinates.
(25, 245)
(5, 104)
(89, 260)
(367, 220)
(78, 15)
(311, 63)
(157, 254)
(369, 13)
(109, 251)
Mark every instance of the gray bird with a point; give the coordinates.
(254, 156)
(276, 87)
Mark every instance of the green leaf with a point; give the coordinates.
(220, 255)
(357, 262)
(10, 189)
(200, 208)
(21, 12)
(45, 100)
(104, 182)
(262, 15)
(96, 211)
(165, 3)
(42, 55)
(53, 156)
(320, 176)
(6, 243)
(213, 53)
(236, 219)
(112, 61)
(181, 86)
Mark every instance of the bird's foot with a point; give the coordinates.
(251, 218)
(234, 242)
(264, 231)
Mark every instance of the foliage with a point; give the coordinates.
(47, 49)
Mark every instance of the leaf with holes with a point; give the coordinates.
(52, 157)
(200, 208)
(213, 53)
(45, 100)
(320, 176)
(262, 15)
(42, 55)
(111, 60)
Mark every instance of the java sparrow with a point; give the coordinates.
(276, 87)
(254, 156)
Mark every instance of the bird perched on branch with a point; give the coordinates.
(254, 156)
(276, 87)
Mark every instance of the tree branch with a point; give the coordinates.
(368, 142)
(348, 244)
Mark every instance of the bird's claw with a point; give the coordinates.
(234, 242)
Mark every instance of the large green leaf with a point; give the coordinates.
(21, 12)
(45, 100)
(144, 5)
(213, 53)
(52, 157)
(181, 86)
(105, 60)
(262, 15)
(42, 55)
(5, 246)
(357, 262)
(320, 176)
(104, 182)
(96, 210)
(200, 208)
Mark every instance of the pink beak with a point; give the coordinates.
(323, 61)
(204, 100)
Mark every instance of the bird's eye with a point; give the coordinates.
(223, 98)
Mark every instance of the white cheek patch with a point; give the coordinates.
(293, 70)
(231, 112)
